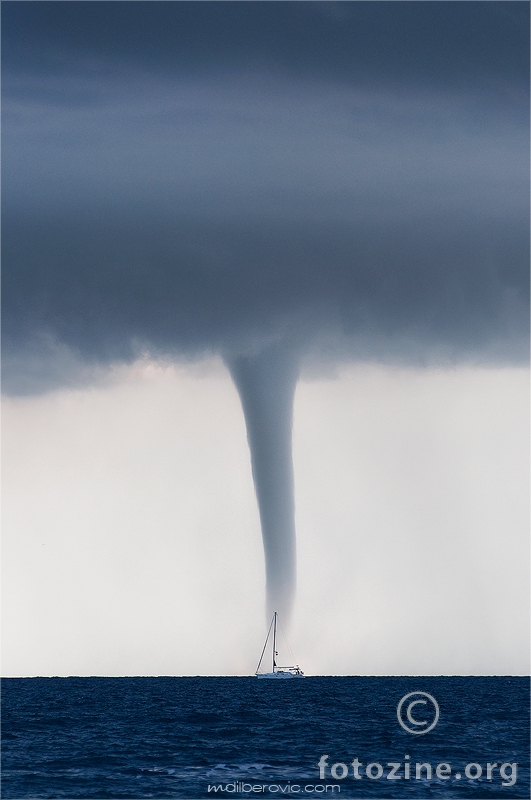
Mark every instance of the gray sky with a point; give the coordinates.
(184, 181)
(131, 538)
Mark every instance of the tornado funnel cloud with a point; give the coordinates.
(266, 385)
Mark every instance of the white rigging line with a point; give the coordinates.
(265, 645)
(285, 639)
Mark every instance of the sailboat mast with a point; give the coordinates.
(274, 638)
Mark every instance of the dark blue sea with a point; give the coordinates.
(241, 737)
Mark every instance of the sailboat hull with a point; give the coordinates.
(279, 676)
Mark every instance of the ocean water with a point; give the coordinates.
(239, 737)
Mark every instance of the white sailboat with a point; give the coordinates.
(278, 673)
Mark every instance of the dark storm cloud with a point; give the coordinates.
(191, 177)
(423, 43)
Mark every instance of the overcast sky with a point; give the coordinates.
(190, 182)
